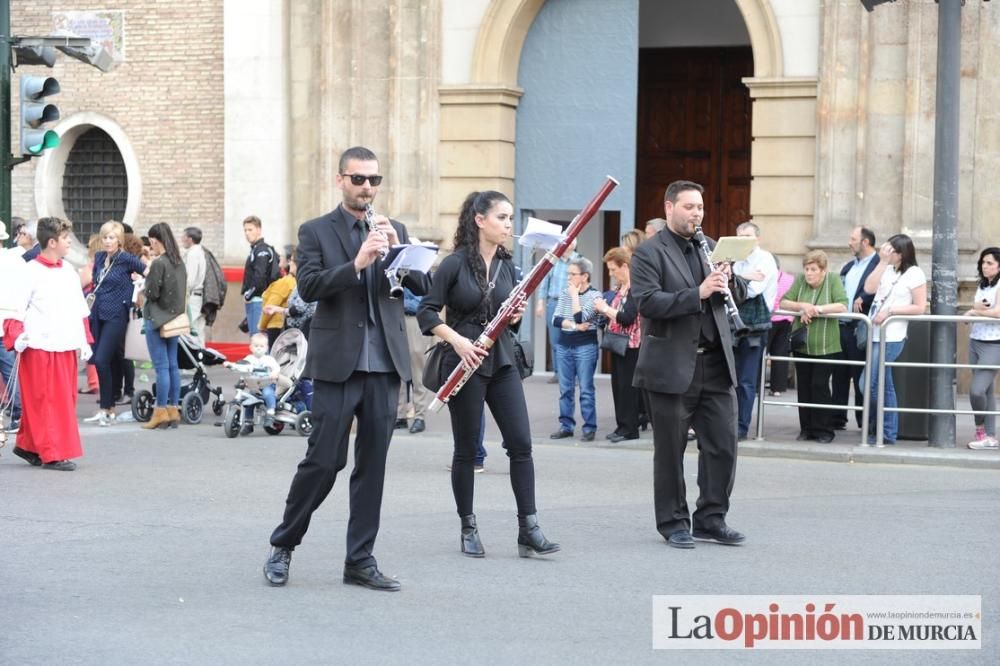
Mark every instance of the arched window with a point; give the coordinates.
(95, 185)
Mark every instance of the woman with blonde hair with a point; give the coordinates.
(109, 302)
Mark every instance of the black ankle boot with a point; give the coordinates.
(530, 538)
(471, 545)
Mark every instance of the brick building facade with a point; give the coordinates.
(163, 105)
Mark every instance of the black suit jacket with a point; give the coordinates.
(670, 305)
(326, 274)
(866, 298)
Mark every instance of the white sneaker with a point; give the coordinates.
(124, 417)
(989, 443)
(109, 419)
(96, 418)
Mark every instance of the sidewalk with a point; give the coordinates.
(781, 428)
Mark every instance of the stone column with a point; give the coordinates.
(366, 72)
(783, 160)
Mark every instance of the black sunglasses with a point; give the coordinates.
(358, 180)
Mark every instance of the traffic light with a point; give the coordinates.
(36, 112)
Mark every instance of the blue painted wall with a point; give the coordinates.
(579, 71)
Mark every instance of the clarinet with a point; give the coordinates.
(735, 322)
(520, 295)
(370, 224)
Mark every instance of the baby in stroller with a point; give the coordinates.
(273, 382)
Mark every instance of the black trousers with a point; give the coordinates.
(372, 398)
(777, 345)
(109, 346)
(845, 375)
(627, 398)
(504, 395)
(813, 382)
(709, 405)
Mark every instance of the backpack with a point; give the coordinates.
(214, 289)
(275, 269)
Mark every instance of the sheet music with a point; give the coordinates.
(541, 234)
(412, 257)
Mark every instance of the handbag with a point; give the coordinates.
(525, 367)
(179, 325)
(616, 343)
(798, 338)
(135, 341)
(431, 378)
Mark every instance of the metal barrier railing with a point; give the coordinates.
(865, 412)
(880, 407)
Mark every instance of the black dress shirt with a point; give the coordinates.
(469, 308)
(696, 262)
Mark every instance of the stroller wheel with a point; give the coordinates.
(275, 428)
(217, 406)
(232, 420)
(304, 423)
(192, 408)
(142, 406)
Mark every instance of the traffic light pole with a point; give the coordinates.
(5, 157)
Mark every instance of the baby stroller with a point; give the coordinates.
(191, 355)
(247, 408)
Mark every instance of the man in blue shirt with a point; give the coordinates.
(853, 275)
(549, 291)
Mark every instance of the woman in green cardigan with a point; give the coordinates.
(816, 292)
(166, 287)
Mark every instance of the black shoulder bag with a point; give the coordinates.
(797, 339)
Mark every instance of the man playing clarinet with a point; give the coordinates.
(686, 365)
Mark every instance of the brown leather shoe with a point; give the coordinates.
(160, 419)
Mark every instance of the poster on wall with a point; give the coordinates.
(106, 27)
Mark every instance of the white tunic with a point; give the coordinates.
(53, 308)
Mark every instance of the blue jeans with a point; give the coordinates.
(6, 369)
(575, 363)
(748, 353)
(550, 312)
(253, 309)
(163, 352)
(270, 399)
(890, 427)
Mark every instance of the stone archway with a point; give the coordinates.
(506, 23)
(478, 121)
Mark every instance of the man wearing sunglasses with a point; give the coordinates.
(358, 355)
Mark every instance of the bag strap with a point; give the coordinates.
(104, 273)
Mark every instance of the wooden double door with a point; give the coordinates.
(694, 124)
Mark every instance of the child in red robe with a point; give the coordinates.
(48, 331)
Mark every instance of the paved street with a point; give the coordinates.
(151, 552)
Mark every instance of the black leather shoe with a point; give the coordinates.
(825, 438)
(680, 539)
(418, 426)
(276, 567)
(611, 435)
(587, 437)
(471, 545)
(31, 458)
(619, 437)
(401, 424)
(371, 578)
(723, 534)
(60, 465)
(803, 436)
(561, 434)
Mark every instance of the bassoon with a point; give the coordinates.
(520, 295)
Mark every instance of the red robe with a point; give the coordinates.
(48, 397)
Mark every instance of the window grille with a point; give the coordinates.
(95, 184)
